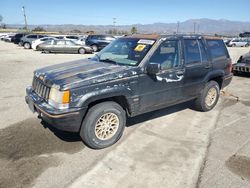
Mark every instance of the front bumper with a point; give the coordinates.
(227, 80)
(66, 120)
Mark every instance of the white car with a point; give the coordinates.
(81, 41)
(35, 43)
(239, 43)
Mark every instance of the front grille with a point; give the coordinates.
(40, 88)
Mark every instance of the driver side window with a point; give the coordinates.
(167, 55)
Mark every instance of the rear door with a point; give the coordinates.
(197, 66)
(59, 46)
(219, 54)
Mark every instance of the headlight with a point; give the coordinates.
(59, 99)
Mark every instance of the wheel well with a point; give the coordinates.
(121, 100)
(218, 79)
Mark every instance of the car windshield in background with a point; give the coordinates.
(126, 51)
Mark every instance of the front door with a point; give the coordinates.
(164, 88)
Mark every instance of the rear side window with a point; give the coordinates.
(217, 48)
(31, 36)
(192, 52)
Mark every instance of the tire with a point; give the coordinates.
(91, 132)
(81, 51)
(233, 45)
(203, 103)
(247, 45)
(94, 47)
(26, 45)
(46, 51)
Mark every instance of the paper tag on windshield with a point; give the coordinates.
(144, 41)
(140, 47)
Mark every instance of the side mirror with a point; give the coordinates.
(153, 68)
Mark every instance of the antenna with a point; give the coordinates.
(25, 18)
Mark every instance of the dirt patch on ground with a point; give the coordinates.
(26, 150)
(239, 165)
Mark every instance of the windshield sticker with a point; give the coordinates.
(140, 47)
(144, 41)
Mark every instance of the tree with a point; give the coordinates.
(1, 18)
(133, 30)
(39, 29)
(75, 31)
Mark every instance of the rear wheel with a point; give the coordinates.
(209, 97)
(246, 45)
(103, 125)
(27, 45)
(81, 51)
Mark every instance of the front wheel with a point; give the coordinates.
(103, 125)
(209, 97)
(27, 45)
(81, 51)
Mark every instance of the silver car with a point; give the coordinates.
(63, 46)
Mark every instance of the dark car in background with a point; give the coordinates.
(17, 37)
(98, 42)
(242, 65)
(63, 46)
(245, 34)
(26, 41)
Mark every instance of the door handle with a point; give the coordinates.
(207, 66)
(180, 73)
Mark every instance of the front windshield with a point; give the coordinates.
(126, 51)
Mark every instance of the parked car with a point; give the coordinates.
(245, 34)
(242, 65)
(71, 37)
(26, 41)
(3, 36)
(63, 46)
(131, 76)
(239, 43)
(36, 42)
(98, 42)
(17, 37)
(80, 41)
(8, 38)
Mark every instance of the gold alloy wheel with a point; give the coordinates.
(211, 97)
(106, 126)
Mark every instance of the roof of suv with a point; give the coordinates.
(156, 36)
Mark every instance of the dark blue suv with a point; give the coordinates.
(98, 42)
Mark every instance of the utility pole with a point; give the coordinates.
(25, 18)
(114, 30)
(177, 28)
(194, 27)
(198, 28)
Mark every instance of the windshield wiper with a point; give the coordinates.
(108, 61)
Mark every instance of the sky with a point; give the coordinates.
(126, 12)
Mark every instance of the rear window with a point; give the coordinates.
(217, 48)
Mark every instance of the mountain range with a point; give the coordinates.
(203, 26)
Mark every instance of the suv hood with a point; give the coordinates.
(82, 73)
